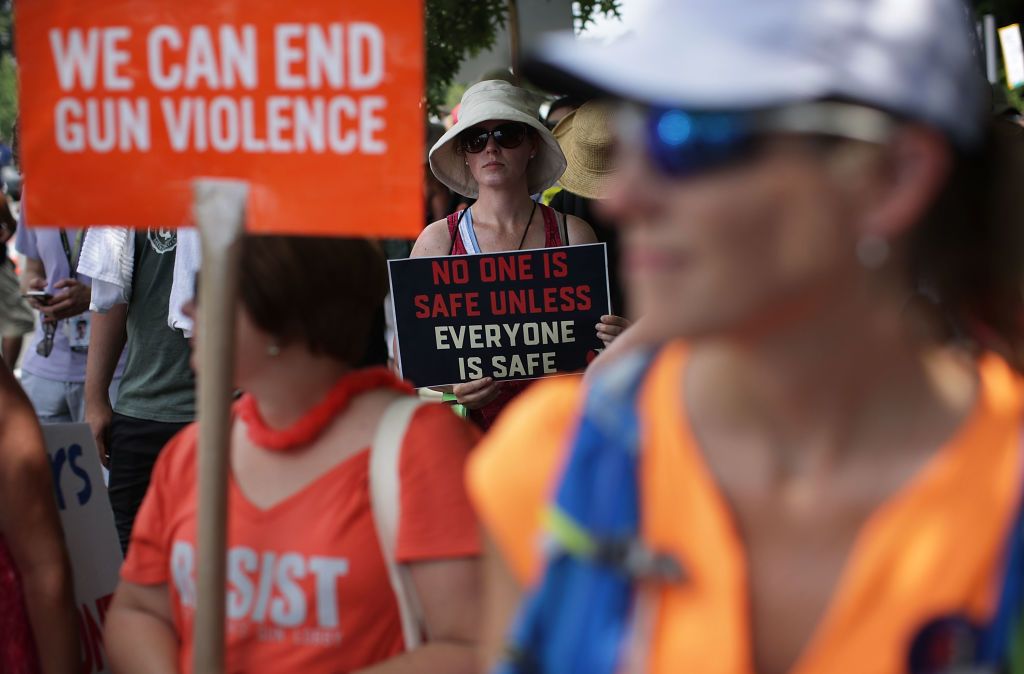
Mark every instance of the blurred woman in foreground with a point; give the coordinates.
(309, 587)
(809, 475)
(38, 620)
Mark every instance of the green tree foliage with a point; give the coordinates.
(459, 29)
(8, 72)
(586, 11)
(6, 26)
(8, 95)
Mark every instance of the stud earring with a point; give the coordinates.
(273, 350)
(872, 251)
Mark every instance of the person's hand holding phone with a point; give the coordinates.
(36, 294)
(72, 299)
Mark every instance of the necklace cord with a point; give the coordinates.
(527, 228)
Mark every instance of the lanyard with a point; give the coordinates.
(72, 257)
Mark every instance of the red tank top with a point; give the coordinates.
(552, 234)
(486, 415)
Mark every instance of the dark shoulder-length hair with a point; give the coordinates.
(968, 253)
(323, 292)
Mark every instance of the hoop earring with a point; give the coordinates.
(872, 251)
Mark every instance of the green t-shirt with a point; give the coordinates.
(158, 384)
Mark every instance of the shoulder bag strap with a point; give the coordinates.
(386, 500)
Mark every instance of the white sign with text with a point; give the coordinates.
(89, 532)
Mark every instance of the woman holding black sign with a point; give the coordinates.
(501, 154)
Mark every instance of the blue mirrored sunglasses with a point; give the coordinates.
(682, 143)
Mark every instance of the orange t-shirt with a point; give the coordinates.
(308, 590)
(935, 549)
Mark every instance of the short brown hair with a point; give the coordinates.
(323, 292)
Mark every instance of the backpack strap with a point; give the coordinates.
(1002, 643)
(386, 501)
(596, 557)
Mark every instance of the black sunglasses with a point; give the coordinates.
(509, 135)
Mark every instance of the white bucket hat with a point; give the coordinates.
(492, 100)
(915, 58)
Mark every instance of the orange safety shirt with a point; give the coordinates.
(936, 548)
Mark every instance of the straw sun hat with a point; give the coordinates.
(495, 100)
(585, 135)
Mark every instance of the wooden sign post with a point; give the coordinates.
(220, 214)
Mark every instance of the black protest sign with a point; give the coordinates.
(517, 315)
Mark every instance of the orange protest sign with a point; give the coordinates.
(316, 103)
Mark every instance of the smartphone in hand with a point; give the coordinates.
(40, 296)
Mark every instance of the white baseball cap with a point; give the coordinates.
(914, 58)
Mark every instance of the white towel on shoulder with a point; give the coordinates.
(188, 258)
(108, 258)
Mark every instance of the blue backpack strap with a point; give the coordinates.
(1002, 642)
(577, 620)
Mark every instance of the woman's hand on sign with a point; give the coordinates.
(71, 300)
(610, 328)
(477, 394)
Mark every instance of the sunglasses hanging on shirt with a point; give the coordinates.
(45, 346)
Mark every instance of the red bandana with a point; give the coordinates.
(313, 423)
